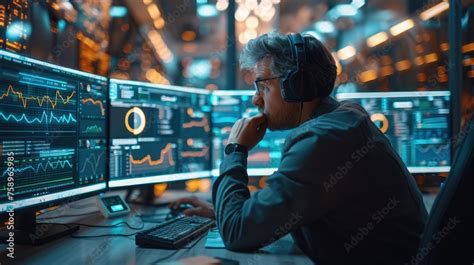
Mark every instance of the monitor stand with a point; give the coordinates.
(145, 197)
(27, 232)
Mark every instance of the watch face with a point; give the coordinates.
(229, 149)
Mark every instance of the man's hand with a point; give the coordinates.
(248, 131)
(201, 207)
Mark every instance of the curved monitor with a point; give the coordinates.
(415, 122)
(158, 133)
(53, 133)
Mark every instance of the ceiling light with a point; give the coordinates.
(402, 27)
(222, 5)
(153, 11)
(376, 39)
(251, 22)
(324, 26)
(207, 10)
(241, 14)
(346, 52)
(434, 11)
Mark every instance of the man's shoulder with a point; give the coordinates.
(341, 124)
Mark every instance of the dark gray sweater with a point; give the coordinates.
(340, 190)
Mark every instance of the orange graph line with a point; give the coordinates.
(226, 129)
(260, 157)
(147, 159)
(40, 100)
(95, 102)
(203, 123)
(201, 153)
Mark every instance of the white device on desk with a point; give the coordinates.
(112, 206)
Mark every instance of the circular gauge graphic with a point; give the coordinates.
(381, 121)
(135, 120)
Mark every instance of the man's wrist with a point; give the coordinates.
(235, 147)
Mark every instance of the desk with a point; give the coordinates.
(122, 250)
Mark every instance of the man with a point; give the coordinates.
(340, 189)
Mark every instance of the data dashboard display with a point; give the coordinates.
(158, 133)
(228, 107)
(416, 123)
(52, 131)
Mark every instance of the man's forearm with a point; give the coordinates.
(229, 194)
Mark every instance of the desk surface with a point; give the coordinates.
(122, 250)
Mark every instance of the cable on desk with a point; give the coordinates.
(151, 214)
(66, 215)
(166, 257)
(108, 226)
(105, 226)
(103, 235)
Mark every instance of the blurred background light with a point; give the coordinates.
(346, 52)
(222, 5)
(118, 11)
(358, 3)
(207, 10)
(434, 11)
(18, 30)
(376, 39)
(324, 26)
(402, 27)
(342, 11)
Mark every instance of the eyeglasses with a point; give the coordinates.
(259, 87)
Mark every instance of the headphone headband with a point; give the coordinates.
(298, 50)
(297, 85)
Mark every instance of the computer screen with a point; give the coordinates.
(158, 133)
(53, 132)
(416, 123)
(229, 106)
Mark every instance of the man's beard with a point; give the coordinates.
(282, 121)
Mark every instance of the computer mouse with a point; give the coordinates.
(180, 208)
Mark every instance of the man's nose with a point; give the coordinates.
(257, 100)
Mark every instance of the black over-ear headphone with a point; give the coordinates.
(297, 84)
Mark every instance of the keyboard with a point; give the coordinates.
(174, 233)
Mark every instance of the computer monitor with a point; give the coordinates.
(229, 106)
(416, 123)
(53, 134)
(158, 133)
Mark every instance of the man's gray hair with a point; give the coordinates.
(319, 62)
(274, 45)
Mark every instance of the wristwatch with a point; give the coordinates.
(232, 147)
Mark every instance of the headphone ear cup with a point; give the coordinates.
(286, 86)
(292, 86)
